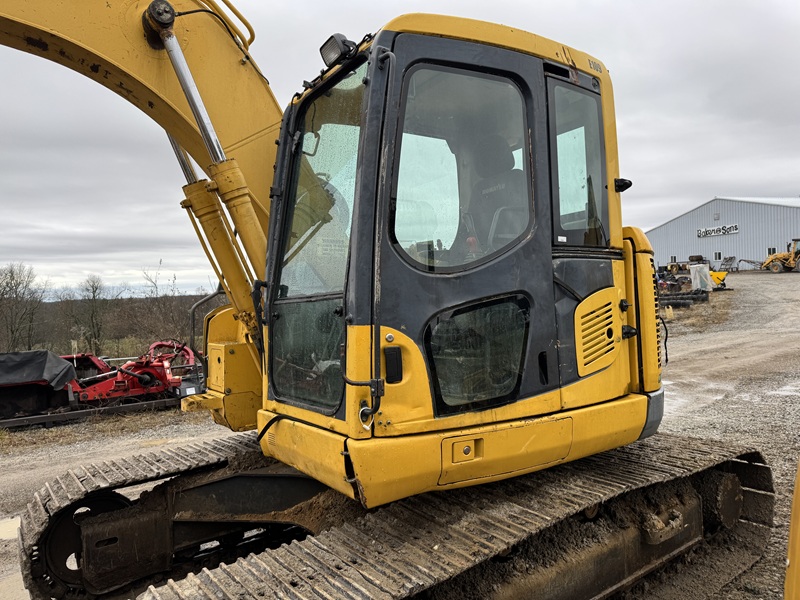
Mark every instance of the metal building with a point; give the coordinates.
(747, 228)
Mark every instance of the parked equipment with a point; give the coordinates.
(784, 261)
(38, 387)
(433, 318)
(728, 264)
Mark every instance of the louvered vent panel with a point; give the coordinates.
(658, 325)
(597, 334)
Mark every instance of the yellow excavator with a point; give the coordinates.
(441, 344)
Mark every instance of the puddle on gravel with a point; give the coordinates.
(8, 528)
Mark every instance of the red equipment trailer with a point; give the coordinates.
(40, 387)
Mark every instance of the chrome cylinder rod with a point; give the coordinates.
(160, 17)
(183, 160)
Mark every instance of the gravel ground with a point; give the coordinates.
(733, 374)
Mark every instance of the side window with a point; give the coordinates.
(576, 144)
(476, 354)
(461, 192)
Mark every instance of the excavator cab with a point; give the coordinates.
(447, 273)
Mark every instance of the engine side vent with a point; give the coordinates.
(597, 334)
(598, 331)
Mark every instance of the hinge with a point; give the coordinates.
(295, 141)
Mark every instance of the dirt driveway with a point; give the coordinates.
(733, 374)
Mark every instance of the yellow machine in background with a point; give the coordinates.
(439, 295)
(784, 261)
(718, 278)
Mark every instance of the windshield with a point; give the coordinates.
(308, 330)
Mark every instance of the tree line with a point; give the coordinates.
(92, 317)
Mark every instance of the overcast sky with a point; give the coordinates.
(707, 102)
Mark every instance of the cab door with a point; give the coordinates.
(464, 305)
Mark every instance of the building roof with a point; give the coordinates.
(792, 202)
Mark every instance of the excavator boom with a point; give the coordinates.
(105, 41)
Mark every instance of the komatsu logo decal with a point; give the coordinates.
(721, 230)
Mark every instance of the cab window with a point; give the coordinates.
(576, 142)
(461, 192)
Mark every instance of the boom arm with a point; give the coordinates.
(105, 41)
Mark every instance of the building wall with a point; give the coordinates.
(758, 226)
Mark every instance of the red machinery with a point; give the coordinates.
(40, 387)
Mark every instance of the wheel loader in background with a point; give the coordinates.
(416, 324)
(784, 261)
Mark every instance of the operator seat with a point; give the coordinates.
(499, 205)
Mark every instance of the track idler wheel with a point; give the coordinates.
(63, 544)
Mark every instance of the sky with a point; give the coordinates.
(707, 104)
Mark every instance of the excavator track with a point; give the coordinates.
(93, 480)
(426, 543)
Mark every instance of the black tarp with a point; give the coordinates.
(35, 366)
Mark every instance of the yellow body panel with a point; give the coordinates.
(232, 379)
(609, 376)
(233, 375)
(387, 469)
(640, 276)
(505, 448)
(309, 449)
(792, 585)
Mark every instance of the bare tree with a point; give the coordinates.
(166, 316)
(87, 310)
(93, 294)
(21, 297)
